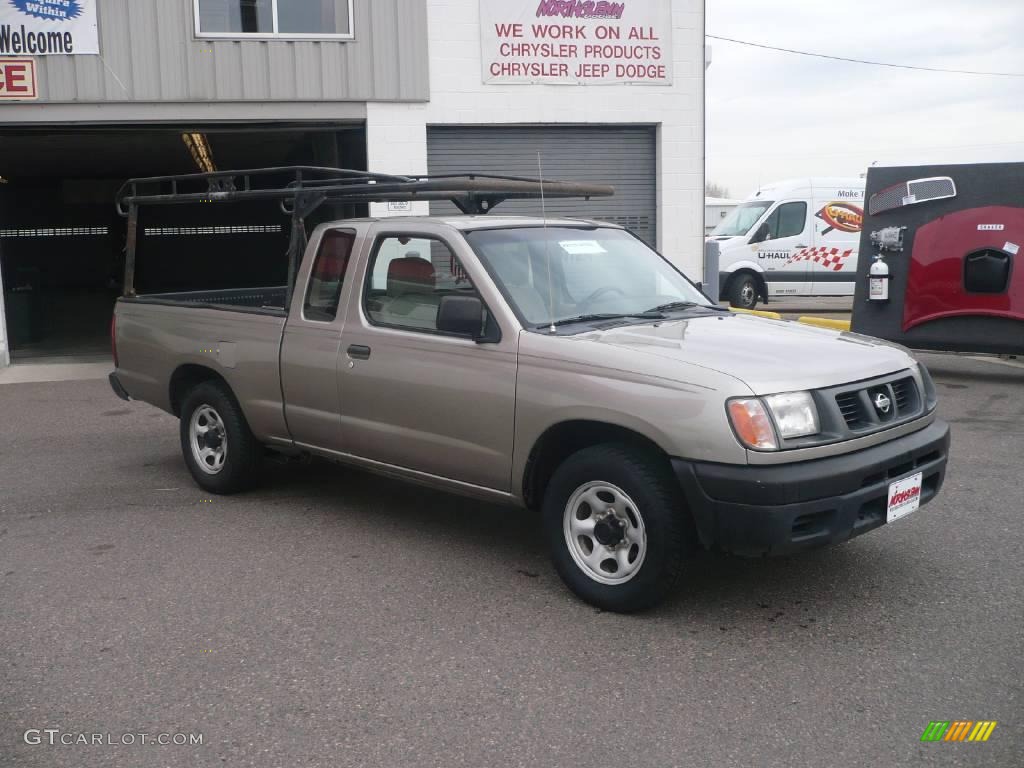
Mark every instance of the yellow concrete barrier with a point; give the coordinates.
(824, 322)
(758, 312)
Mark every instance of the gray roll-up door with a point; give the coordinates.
(623, 156)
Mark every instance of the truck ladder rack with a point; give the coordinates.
(302, 189)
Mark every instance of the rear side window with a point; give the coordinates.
(787, 220)
(328, 275)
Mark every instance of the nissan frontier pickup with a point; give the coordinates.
(552, 364)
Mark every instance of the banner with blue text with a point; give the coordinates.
(48, 27)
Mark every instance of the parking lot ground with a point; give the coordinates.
(333, 618)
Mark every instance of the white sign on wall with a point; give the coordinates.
(576, 42)
(48, 27)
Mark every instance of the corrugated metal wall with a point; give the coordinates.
(149, 53)
(624, 156)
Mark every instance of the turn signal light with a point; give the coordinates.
(752, 425)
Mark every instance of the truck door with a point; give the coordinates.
(837, 225)
(311, 344)
(780, 240)
(411, 395)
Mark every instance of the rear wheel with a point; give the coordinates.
(616, 527)
(219, 449)
(743, 291)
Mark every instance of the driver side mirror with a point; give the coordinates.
(465, 316)
(761, 234)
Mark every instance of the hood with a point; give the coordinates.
(768, 356)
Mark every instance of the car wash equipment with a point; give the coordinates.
(888, 239)
(957, 230)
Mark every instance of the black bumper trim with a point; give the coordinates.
(758, 510)
(118, 387)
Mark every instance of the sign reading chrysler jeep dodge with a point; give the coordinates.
(48, 27)
(576, 42)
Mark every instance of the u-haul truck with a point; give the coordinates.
(792, 238)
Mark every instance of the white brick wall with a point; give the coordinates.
(397, 139)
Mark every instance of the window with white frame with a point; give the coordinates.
(297, 19)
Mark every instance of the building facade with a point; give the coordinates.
(602, 91)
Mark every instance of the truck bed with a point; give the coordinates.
(269, 300)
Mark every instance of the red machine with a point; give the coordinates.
(945, 243)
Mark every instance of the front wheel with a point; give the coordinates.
(743, 291)
(219, 449)
(617, 527)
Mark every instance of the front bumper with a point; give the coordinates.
(783, 508)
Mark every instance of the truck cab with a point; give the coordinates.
(791, 238)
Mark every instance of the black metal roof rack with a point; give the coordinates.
(302, 189)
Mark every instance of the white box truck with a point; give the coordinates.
(792, 238)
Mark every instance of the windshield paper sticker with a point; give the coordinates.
(582, 247)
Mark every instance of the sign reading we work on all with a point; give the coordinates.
(48, 27)
(576, 42)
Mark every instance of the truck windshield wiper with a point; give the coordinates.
(648, 315)
(674, 305)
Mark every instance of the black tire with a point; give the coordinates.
(243, 455)
(744, 291)
(647, 480)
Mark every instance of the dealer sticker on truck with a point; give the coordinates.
(904, 497)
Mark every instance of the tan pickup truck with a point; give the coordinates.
(553, 364)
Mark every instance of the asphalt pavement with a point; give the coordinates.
(333, 618)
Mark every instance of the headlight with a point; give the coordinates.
(930, 397)
(750, 420)
(794, 413)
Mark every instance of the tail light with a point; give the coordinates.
(113, 338)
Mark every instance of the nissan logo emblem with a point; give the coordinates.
(882, 403)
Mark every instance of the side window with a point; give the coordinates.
(328, 275)
(407, 278)
(787, 220)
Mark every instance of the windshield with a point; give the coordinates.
(605, 272)
(741, 219)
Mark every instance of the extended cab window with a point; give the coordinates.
(328, 275)
(407, 278)
(788, 220)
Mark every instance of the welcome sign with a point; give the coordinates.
(48, 27)
(576, 42)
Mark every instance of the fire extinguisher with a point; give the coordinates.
(888, 239)
(878, 280)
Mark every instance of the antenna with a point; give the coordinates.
(547, 247)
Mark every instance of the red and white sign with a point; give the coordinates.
(904, 497)
(18, 79)
(576, 42)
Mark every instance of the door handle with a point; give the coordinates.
(800, 246)
(359, 352)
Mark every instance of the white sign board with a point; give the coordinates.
(576, 42)
(48, 27)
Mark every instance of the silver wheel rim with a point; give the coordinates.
(209, 439)
(747, 293)
(605, 533)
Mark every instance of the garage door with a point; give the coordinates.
(623, 156)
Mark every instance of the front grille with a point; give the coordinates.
(904, 394)
(850, 407)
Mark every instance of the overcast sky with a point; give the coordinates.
(775, 115)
